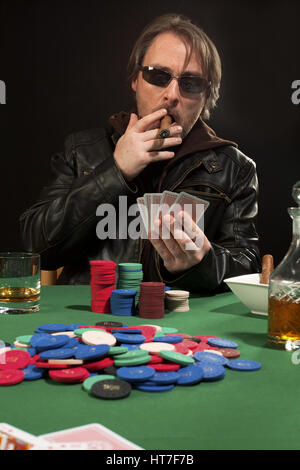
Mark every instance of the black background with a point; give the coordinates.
(64, 65)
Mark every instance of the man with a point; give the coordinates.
(174, 69)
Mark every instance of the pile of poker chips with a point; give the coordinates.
(110, 359)
(152, 300)
(177, 300)
(103, 276)
(122, 302)
(130, 277)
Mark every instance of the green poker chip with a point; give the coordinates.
(116, 350)
(176, 357)
(136, 361)
(25, 339)
(90, 381)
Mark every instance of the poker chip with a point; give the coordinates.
(212, 372)
(165, 378)
(129, 338)
(135, 374)
(99, 365)
(110, 324)
(168, 339)
(229, 353)
(151, 301)
(90, 381)
(209, 357)
(122, 302)
(244, 365)
(190, 375)
(60, 353)
(164, 367)
(221, 343)
(177, 300)
(130, 276)
(176, 357)
(154, 348)
(25, 339)
(14, 359)
(32, 372)
(11, 377)
(151, 387)
(88, 353)
(117, 350)
(53, 327)
(74, 375)
(94, 338)
(46, 342)
(111, 389)
(132, 362)
(103, 276)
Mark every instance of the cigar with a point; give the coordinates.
(165, 123)
(267, 268)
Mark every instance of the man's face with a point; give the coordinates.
(169, 52)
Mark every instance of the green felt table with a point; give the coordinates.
(245, 410)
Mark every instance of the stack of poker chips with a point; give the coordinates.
(152, 300)
(122, 302)
(130, 277)
(103, 275)
(177, 300)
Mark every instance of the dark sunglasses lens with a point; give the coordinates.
(156, 77)
(193, 84)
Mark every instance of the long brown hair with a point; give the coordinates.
(195, 38)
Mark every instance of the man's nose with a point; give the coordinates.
(172, 92)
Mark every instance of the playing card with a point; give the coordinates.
(144, 214)
(147, 199)
(93, 436)
(155, 203)
(192, 204)
(12, 438)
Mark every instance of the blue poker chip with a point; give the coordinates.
(190, 375)
(136, 373)
(73, 326)
(152, 387)
(127, 331)
(203, 356)
(222, 343)
(129, 338)
(38, 337)
(168, 339)
(44, 342)
(53, 327)
(86, 352)
(33, 373)
(244, 365)
(164, 378)
(72, 343)
(211, 372)
(130, 347)
(59, 353)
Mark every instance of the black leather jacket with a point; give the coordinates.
(61, 225)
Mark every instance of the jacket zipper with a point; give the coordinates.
(219, 194)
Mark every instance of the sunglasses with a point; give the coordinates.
(187, 83)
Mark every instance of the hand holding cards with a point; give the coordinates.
(174, 224)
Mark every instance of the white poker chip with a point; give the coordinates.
(177, 301)
(213, 351)
(74, 362)
(20, 345)
(154, 348)
(93, 338)
(67, 333)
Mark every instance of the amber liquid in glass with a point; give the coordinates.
(284, 322)
(19, 294)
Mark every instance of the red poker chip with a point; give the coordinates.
(72, 375)
(98, 365)
(181, 348)
(155, 359)
(164, 367)
(190, 344)
(11, 376)
(147, 331)
(182, 335)
(14, 359)
(204, 347)
(47, 365)
(230, 352)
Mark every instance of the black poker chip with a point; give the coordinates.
(111, 389)
(110, 370)
(110, 324)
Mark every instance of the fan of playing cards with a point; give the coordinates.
(155, 205)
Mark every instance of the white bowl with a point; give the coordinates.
(250, 292)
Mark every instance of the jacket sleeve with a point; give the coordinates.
(63, 220)
(235, 249)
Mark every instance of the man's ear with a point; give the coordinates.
(133, 83)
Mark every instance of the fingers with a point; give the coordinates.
(143, 124)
